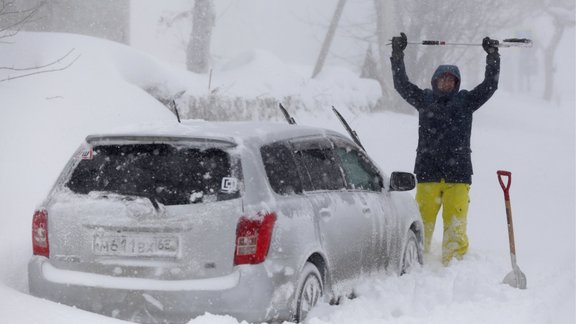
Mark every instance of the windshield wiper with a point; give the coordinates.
(152, 199)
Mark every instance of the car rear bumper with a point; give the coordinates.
(249, 293)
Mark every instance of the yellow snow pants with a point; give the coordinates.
(454, 199)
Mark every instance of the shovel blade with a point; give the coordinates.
(516, 279)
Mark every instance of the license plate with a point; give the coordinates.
(135, 245)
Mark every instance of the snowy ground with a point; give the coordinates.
(44, 117)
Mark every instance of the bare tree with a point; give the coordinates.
(385, 25)
(562, 13)
(13, 19)
(198, 55)
(329, 37)
(370, 66)
(202, 17)
(455, 21)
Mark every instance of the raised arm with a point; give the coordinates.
(409, 91)
(479, 95)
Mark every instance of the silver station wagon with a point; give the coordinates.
(259, 221)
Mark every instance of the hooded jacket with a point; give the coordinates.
(445, 120)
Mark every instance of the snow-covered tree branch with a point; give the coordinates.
(12, 21)
(53, 66)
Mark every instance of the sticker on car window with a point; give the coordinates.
(87, 154)
(229, 185)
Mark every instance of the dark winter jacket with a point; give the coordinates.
(445, 120)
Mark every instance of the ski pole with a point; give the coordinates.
(509, 42)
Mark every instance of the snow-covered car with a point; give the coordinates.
(256, 220)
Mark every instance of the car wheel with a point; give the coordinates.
(310, 290)
(412, 254)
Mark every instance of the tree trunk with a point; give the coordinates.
(370, 66)
(549, 64)
(385, 27)
(381, 32)
(329, 36)
(198, 52)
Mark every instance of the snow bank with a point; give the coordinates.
(258, 73)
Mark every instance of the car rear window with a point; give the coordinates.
(171, 175)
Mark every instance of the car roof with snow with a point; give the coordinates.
(225, 133)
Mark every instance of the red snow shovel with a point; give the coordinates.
(516, 278)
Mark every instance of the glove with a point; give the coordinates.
(399, 43)
(490, 45)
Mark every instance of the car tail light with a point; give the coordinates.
(253, 237)
(40, 244)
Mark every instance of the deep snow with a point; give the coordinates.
(45, 117)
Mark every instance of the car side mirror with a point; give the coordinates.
(402, 181)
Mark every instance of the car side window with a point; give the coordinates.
(281, 169)
(360, 173)
(321, 164)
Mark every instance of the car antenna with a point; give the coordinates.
(350, 130)
(289, 118)
(175, 106)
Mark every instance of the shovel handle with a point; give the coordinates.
(505, 187)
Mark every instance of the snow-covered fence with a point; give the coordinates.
(226, 108)
(235, 108)
(214, 107)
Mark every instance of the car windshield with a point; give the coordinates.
(170, 175)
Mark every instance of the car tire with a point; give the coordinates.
(412, 256)
(310, 291)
